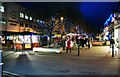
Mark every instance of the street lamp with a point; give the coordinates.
(79, 40)
(62, 18)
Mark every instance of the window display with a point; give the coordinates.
(27, 39)
(35, 38)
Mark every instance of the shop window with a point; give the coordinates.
(21, 15)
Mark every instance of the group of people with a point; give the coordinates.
(83, 41)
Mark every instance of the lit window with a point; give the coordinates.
(1, 8)
(37, 20)
(30, 18)
(26, 17)
(21, 15)
(118, 15)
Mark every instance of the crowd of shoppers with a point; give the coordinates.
(83, 41)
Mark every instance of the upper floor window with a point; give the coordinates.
(37, 20)
(13, 15)
(26, 17)
(30, 18)
(21, 15)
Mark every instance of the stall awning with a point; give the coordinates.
(71, 34)
(17, 33)
(58, 35)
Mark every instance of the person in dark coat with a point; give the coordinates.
(83, 42)
(63, 42)
(89, 42)
(111, 42)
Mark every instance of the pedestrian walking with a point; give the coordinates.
(112, 42)
(89, 42)
(83, 42)
(68, 44)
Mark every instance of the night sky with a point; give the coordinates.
(90, 15)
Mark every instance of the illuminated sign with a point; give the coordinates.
(108, 21)
(27, 45)
(1, 8)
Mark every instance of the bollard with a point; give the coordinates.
(112, 50)
(78, 49)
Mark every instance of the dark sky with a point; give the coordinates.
(93, 14)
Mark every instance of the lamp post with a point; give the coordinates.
(62, 18)
(78, 41)
(112, 50)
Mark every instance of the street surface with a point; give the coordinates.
(93, 61)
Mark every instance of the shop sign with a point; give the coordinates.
(27, 45)
(117, 16)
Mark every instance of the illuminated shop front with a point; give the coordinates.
(116, 37)
(114, 29)
(36, 40)
(23, 40)
(27, 41)
(20, 41)
(107, 32)
(106, 35)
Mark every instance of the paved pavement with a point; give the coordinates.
(7, 53)
(93, 52)
(10, 52)
(93, 61)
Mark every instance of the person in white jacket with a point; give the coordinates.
(69, 44)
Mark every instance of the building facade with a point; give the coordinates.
(17, 18)
(19, 26)
(113, 27)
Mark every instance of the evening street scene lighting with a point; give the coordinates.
(59, 39)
